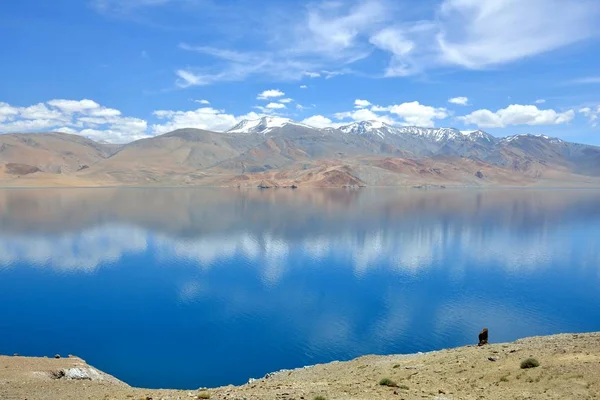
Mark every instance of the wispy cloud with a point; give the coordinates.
(324, 38)
(586, 80)
(592, 114)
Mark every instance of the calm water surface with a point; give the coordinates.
(196, 287)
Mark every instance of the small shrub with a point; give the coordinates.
(320, 398)
(204, 395)
(396, 366)
(388, 382)
(530, 363)
(403, 387)
(504, 378)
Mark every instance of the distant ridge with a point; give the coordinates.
(289, 153)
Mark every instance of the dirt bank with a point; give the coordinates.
(569, 369)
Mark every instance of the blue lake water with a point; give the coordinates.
(186, 288)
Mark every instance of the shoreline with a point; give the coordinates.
(569, 368)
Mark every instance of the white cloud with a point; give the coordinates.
(7, 111)
(592, 113)
(204, 102)
(517, 114)
(407, 114)
(358, 103)
(85, 117)
(414, 113)
(269, 94)
(275, 106)
(74, 106)
(363, 114)
(540, 101)
(65, 129)
(474, 33)
(461, 100)
(324, 38)
(286, 101)
(318, 121)
(187, 79)
(203, 118)
(303, 87)
(311, 74)
(394, 41)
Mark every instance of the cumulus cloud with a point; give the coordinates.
(90, 119)
(269, 94)
(413, 113)
(405, 114)
(540, 101)
(461, 101)
(203, 118)
(204, 102)
(517, 114)
(85, 117)
(318, 121)
(358, 103)
(286, 101)
(74, 106)
(364, 114)
(303, 87)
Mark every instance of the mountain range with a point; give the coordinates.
(274, 151)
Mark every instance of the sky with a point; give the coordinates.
(122, 70)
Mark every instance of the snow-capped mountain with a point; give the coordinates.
(522, 136)
(263, 125)
(382, 130)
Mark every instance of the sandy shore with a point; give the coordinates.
(569, 369)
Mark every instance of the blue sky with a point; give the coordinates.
(120, 70)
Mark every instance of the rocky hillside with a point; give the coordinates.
(288, 153)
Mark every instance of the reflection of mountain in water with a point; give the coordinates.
(254, 281)
(403, 230)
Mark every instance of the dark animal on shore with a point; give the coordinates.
(483, 337)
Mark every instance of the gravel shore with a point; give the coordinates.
(569, 368)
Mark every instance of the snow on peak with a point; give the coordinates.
(550, 139)
(262, 125)
(366, 127)
(382, 129)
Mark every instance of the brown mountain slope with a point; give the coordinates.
(301, 157)
(50, 152)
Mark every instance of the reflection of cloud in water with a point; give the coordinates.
(406, 251)
(83, 251)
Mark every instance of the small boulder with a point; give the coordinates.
(479, 174)
(57, 356)
(483, 337)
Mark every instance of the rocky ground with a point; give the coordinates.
(569, 368)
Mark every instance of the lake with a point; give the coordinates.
(184, 288)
